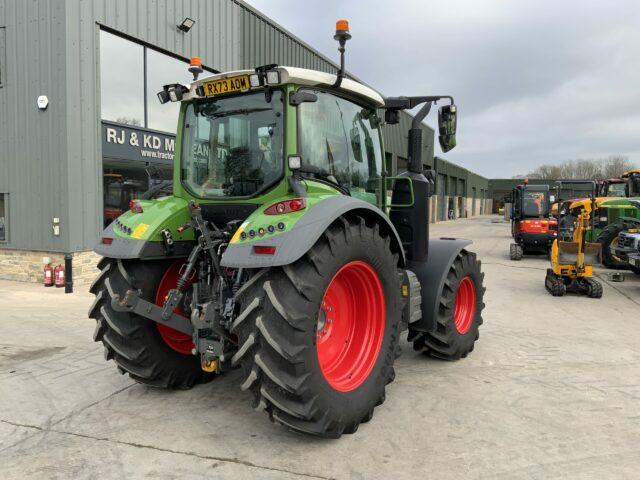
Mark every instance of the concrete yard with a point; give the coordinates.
(552, 390)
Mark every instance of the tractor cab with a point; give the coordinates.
(612, 187)
(631, 180)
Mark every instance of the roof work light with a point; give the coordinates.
(173, 92)
(186, 24)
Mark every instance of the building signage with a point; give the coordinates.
(135, 143)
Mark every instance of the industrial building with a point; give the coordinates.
(82, 130)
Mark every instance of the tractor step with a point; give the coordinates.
(412, 297)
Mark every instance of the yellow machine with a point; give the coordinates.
(572, 257)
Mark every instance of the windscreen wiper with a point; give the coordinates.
(239, 111)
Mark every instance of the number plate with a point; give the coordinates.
(226, 86)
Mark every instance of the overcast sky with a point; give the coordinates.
(535, 81)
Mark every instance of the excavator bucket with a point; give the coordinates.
(568, 253)
(592, 253)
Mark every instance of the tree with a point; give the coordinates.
(589, 169)
(616, 165)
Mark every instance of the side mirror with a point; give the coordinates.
(447, 124)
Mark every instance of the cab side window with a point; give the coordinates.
(343, 139)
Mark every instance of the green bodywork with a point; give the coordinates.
(608, 211)
(169, 213)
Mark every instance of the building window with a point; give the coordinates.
(121, 80)
(131, 75)
(3, 72)
(161, 70)
(4, 217)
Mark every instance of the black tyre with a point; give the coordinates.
(344, 293)
(515, 252)
(555, 284)
(634, 269)
(459, 313)
(595, 288)
(608, 238)
(150, 354)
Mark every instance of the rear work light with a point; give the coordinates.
(135, 206)
(254, 80)
(286, 206)
(264, 250)
(273, 77)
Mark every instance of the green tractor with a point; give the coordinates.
(615, 215)
(281, 253)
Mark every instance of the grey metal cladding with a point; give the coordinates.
(292, 245)
(33, 142)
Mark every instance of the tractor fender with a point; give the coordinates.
(293, 244)
(432, 274)
(127, 248)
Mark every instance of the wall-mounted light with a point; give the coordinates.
(186, 24)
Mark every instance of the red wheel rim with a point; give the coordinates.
(465, 305)
(180, 342)
(351, 325)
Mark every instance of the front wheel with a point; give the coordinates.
(608, 239)
(459, 313)
(318, 338)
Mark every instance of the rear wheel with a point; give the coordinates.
(318, 338)
(608, 239)
(150, 353)
(459, 313)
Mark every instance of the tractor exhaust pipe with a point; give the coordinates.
(414, 150)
